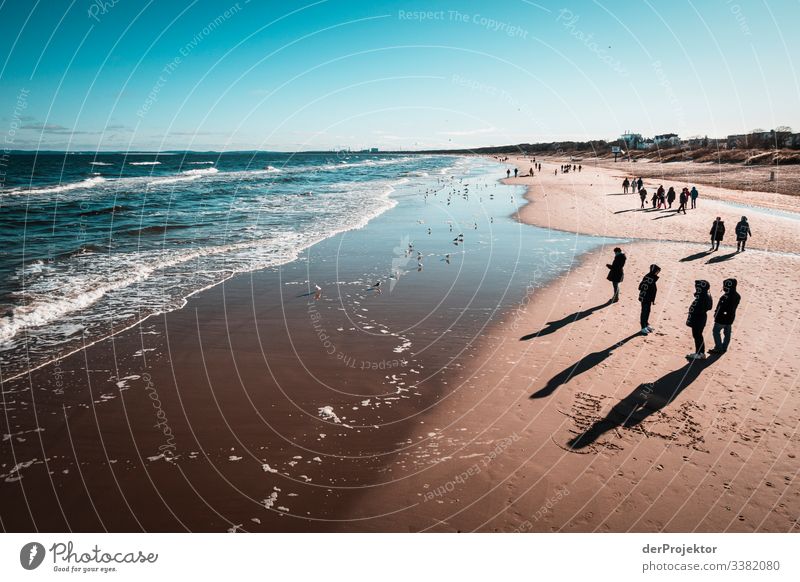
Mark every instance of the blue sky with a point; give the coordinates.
(323, 74)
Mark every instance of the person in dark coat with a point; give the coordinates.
(639, 183)
(683, 199)
(698, 316)
(625, 185)
(717, 233)
(671, 196)
(742, 233)
(643, 196)
(616, 273)
(647, 297)
(724, 316)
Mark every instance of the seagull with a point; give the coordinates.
(377, 286)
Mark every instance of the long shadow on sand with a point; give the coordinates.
(645, 400)
(628, 210)
(585, 364)
(696, 256)
(554, 326)
(721, 258)
(670, 214)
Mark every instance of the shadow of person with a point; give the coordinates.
(628, 210)
(585, 364)
(670, 215)
(720, 258)
(553, 326)
(645, 400)
(696, 256)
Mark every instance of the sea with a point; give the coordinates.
(93, 243)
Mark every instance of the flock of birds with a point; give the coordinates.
(453, 189)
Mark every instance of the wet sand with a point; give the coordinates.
(261, 407)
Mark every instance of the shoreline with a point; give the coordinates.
(277, 344)
(417, 478)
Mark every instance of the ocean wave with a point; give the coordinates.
(83, 286)
(155, 229)
(186, 176)
(272, 169)
(100, 164)
(144, 163)
(200, 163)
(87, 183)
(107, 210)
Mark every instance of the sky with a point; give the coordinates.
(328, 74)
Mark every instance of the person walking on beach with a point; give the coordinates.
(655, 198)
(647, 297)
(508, 173)
(694, 194)
(742, 232)
(724, 316)
(717, 233)
(516, 171)
(625, 184)
(683, 199)
(616, 273)
(530, 171)
(698, 316)
(639, 183)
(660, 193)
(671, 196)
(643, 196)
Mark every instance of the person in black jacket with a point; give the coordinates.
(616, 273)
(671, 197)
(742, 232)
(698, 315)
(683, 199)
(717, 233)
(647, 297)
(724, 316)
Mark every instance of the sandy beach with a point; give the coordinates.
(663, 445)
(451, 401)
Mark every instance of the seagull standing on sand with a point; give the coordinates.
(377, 286)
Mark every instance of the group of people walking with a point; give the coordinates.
(742, 232)
(634, 185)
(697, 318)
(662, 198)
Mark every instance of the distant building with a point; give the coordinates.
(792, 141)
(373, 150)
(667, 140)
(737, 141)
(632, 140)
(646, 144)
